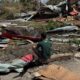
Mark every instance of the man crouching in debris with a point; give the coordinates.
(41, 53)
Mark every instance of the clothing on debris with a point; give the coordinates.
(16, 65)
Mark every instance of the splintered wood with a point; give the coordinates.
(55, 72)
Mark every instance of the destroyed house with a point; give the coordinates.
(45, 13)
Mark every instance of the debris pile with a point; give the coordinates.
(40, 53)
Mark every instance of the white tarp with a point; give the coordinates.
(68, 28)
(16, 65)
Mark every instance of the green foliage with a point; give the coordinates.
(77, 42)
(45, 26)
(54, 2)
(10, 16)
(23, 2)
(29, 4)
(53, 24)
(8, 10)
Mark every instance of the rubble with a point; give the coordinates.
(57, 49)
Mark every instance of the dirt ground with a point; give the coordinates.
(72, 65)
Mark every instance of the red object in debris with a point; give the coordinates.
(12, 36)
(27, 58)
(74, 12)
(6, 35)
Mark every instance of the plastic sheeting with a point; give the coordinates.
(66, 28)
(69, 28)
(16, 65)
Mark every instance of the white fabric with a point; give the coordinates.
(16, 65)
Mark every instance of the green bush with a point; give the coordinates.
(77, 42)
(53, 24)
